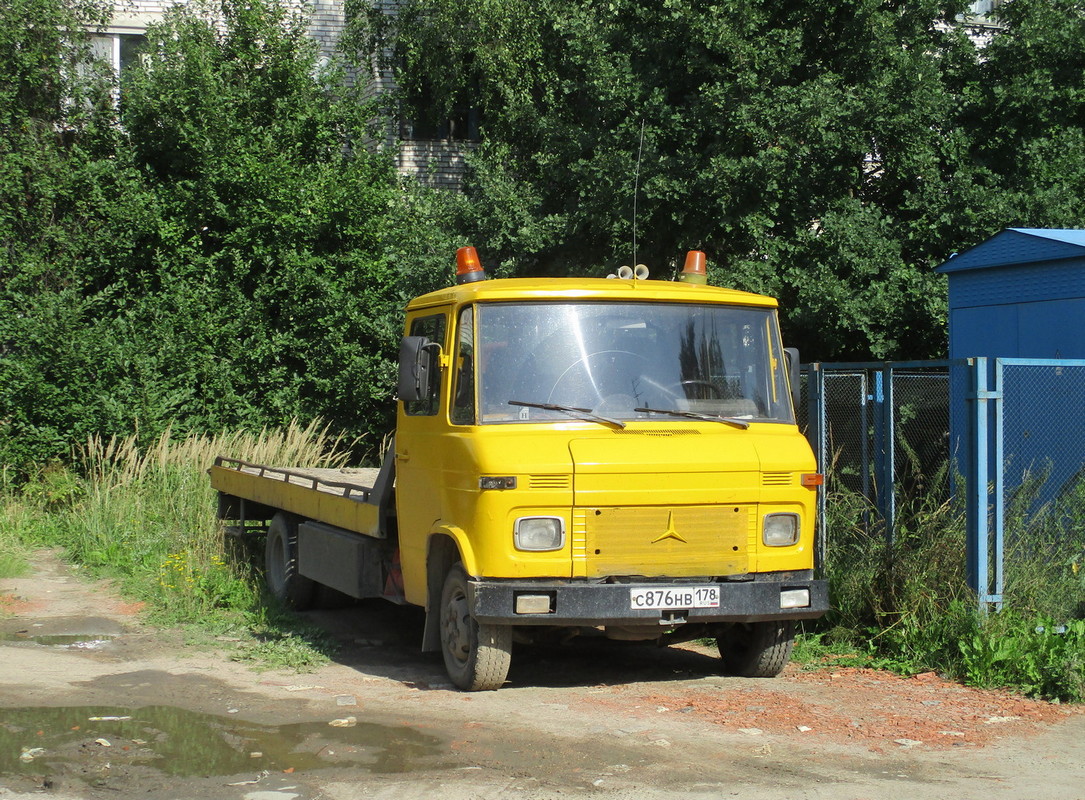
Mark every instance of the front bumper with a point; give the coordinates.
(581, 603)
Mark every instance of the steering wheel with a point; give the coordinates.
(610, 379)
(679, 389)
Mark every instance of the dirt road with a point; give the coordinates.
(95, 704)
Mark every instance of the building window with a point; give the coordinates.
(418, 121)
(462, 126)
(982, 11)
(119, 50)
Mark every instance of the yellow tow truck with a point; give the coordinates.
(611, 456)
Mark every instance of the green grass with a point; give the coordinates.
(14, 556)
(146, 517)
(13, 563)
(20, 520)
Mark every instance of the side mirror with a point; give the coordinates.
(415, 366)
(791, 356)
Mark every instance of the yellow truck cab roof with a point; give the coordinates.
(587, 289)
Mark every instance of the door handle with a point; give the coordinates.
(404, 456)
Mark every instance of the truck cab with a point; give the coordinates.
(615, 456)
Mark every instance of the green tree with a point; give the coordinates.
(276, 223)
(54, 120)
(220, 250)
(1027, 112)
(65, 202)
(811, 147)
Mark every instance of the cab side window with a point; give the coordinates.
(463, 396)
(433, 328)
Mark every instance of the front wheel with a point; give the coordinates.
(757, 649)
(477, 656)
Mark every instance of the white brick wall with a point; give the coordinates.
(435, 163)
(326, 18)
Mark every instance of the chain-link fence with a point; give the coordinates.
(1003, 439)
(1030, 480)
(881, 431)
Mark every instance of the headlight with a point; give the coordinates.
(540, 533)
(780, 530)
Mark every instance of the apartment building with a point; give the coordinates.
(432, 154)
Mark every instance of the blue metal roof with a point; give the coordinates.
(1019, 246)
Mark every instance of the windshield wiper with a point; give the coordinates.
(583, 413)
(674, 412)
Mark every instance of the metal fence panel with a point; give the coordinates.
(1042, 480)
(880, 430)
(1007, 435)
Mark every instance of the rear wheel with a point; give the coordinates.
(281, 565)
(477, 656)
(757, 649)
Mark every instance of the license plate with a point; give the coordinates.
(675, 598)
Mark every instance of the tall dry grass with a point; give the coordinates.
(146, 516)
(118, 460)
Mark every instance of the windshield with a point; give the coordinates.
(629, 361)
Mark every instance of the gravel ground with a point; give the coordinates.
(95, 703)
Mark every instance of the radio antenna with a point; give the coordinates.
(636, 186)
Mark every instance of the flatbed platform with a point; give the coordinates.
(347, 498)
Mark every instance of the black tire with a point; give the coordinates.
(281, 565)
(477, 657)
(757, 649)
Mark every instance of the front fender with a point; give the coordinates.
(462, 545)
(446, 545)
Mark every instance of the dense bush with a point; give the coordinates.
(225, 256)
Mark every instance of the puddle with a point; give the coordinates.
(73, 640)
(187, 744)
(75, 632)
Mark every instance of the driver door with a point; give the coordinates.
(419, 468)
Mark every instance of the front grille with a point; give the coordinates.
(681, 541)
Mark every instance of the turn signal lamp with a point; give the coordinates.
(813, 479)
(468, 268)
(694, 270)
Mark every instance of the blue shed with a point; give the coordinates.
(1017, 309)
(1020, 294)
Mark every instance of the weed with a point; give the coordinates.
(906, 606)
(1046, 659)
(191, 589)
(147, 518)
(279, 640)
(1045, 548)
(816, 650)
(53, 488)
(13, 562)
(20, 527)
